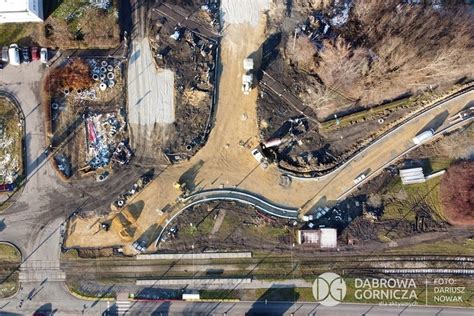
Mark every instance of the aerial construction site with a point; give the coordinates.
(281, 131)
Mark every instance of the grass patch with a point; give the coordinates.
(68, 9)
(445, 247)
(8, 276)
(70, 254)
(18, 33)
(438, 164)
(72, 24)
(366, 114)
(9, 253)
(401, 200)
(219, 294)
(285, 294)
(9, 287)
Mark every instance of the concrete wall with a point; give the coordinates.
(220, 281)
(190, 256)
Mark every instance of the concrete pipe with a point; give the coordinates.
(95, 77)
(381, 121)
(55, 106)
(103, 76)
(66, 91)
(110, 68)
(111, 83)
(103, 69)
(102, 86)
(104, 63)
(110, 75)
(189, 147)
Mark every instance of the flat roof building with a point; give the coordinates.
(19, 11)
(323, 237)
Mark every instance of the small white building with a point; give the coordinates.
(325, 238)
(412, 175)
(18, 11)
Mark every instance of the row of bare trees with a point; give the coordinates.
(388, 48)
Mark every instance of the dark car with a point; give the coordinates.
(26, 54)
(35, 53)
(1, 64)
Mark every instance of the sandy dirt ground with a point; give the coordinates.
(224, 163)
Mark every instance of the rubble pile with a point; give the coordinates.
(134, 189)
(10, 167)
(100, 4)
(104, 140)
(64, 165)
(192, 58)
(211, 7)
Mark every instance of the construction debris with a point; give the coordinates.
(192, 58)
(102, 131)
(11, 132)
(87, 116)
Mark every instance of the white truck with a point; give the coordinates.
(420, 138)
(247, 77)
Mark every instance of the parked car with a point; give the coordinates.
(14, 55)
(360, 178)
(25, 52)
(5, 54)
(1, 64)
(44, 55)
(35, 53)
(257, 155)
(139, 245)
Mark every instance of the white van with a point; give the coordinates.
(14, 55)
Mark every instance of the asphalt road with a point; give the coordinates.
(54, 300)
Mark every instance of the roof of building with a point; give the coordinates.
(323, 237)
(412, 175)
(13, 5)
(328, 238)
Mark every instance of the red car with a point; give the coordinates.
(35, 53)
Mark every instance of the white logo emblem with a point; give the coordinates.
(329, 289)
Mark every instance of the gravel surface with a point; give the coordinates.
(151, 92)
(243, 11)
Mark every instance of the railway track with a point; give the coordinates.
(276, 258)
(267, 267)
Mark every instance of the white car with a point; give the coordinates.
(360, 178)
(44, 55)
(14, 55)
(257, 155)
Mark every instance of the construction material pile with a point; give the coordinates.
(104, 73)
(105, 140)
(10, 144)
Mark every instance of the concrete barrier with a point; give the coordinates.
(217, 281)
(190, 256)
